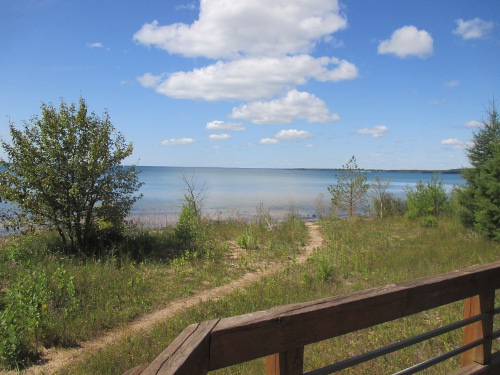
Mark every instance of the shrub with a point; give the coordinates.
(427, 199)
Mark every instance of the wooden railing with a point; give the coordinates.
(281, 333)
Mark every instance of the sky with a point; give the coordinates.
(399, 84)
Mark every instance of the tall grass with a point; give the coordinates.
(358, 254)
(73, 299)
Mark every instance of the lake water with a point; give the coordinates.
(240, 191)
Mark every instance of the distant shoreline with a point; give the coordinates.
(372, 170)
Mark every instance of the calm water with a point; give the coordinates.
(241, 191)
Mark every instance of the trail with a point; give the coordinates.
(56, 359)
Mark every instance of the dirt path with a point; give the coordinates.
(60, 358)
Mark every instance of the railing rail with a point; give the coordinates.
(281, 333)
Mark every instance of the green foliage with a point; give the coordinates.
(189, 228)
(429, 221)
(63, 171)
(247, 241)
(32, 302)
(385, 204)
(427, 199)
(480, 198)
(349, 193)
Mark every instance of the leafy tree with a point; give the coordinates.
(63, 172)
(427, 199)
(349, 193)
(480, 198)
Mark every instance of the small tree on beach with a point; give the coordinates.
(349, 193)
(427, 199)
(63, 171)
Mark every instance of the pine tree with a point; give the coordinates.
(480, 197)
(349, 193)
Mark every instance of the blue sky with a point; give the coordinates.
(400, 84)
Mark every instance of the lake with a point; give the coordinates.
(231, 191)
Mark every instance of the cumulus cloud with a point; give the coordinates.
(222, 125)
(149, 80)
(179, 141)
(473, 29)
(375, 132)
(452, 83)
(408, 41)
(293, 134)
(233, 29)
(295, 105)
(251, 78)
(95, 45)
(219, 137)
(269, 141)
(454, 143)
(260, 49)
(473, 124)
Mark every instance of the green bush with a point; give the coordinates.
(427, 199)
(188, 229)
(33, 301)
(389, 205)
(429, 221)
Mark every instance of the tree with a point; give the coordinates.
(427, 199)
(480, 198)
(349, 193)
(63, 171)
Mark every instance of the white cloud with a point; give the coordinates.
(408, 41)
(269, 141)
(179, 141)
(219, 137)
(293, 134)
(95, 45)
(251, 78)
(295, 105)
(473, 124)
(232, 29)
(455, 143)
(189, 6)
(222, 125)
(452, 83)
(374, 132)
(473, 29)
(149, 80)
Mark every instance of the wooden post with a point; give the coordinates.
(286, 363)
(483, 303)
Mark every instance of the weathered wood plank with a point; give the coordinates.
(483, 303)
(187, 354)
(493, 368)
(136, 370)
(287, 363)
(240, 339)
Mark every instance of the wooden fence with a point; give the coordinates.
(280, 334)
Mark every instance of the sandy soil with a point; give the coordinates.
(56, 359)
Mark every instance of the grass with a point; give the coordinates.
(359, 254)
(77, 299)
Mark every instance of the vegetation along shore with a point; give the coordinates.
(83, 290)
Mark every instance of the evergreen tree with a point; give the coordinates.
(480, 197)
(349, 193)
